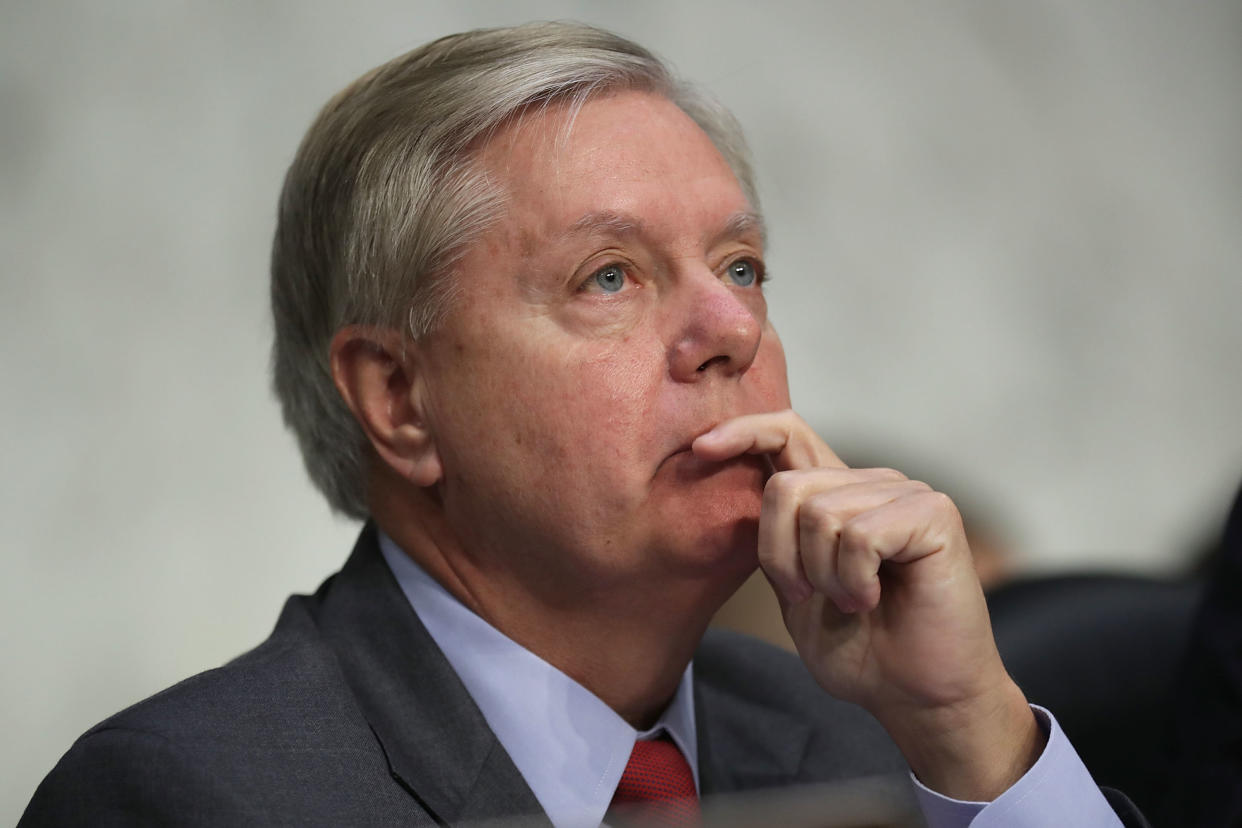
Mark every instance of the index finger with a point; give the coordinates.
(782, 435)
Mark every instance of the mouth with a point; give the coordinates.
(684, 466)
(681, 455)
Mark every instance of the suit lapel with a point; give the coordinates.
(744, 745)
(438, 744)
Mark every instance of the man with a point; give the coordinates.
(520, 329)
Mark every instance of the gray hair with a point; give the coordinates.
(383, 198)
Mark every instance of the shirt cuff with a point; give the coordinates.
(1057, 790)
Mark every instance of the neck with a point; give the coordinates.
(628, 640)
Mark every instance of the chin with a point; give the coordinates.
(706, 517)
(717, 561)
(716, 536)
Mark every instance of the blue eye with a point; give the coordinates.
(743, 273)
(610, 279)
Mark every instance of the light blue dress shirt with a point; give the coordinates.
(571, 748)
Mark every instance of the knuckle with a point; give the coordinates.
(853, 538)
(820, 521)
(944, 510)
(780, 487)
(940, 501)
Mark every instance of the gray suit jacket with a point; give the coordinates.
(350, 715)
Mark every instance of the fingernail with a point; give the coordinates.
(800, 592)
(846, 606)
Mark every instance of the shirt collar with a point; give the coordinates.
(570, 747)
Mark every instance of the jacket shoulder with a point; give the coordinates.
(265, 697)
(116, 776)
(266, 739)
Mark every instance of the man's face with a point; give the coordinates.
(614, 314)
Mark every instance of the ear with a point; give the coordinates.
(375, 371)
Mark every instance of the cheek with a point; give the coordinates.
(569, 403)
(607, 395)
(767, 376)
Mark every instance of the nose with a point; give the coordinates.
(717, 334)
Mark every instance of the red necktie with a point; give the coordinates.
(657, 787)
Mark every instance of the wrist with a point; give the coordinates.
(973, 750)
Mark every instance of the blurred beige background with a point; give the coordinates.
(1007, 239)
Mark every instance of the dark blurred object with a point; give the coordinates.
(1205, 785)
(867, 802)
(1101, 651)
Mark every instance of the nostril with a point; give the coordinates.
(712, 361)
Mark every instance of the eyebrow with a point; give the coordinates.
(607, 222)
(743, 223)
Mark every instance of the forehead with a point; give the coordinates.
(633, 156)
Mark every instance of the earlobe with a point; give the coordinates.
(375, 371)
